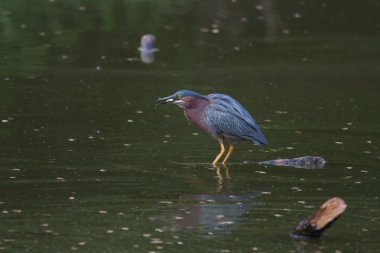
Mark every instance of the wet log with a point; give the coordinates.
(320, 220)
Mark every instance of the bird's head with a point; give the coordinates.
(183, 98)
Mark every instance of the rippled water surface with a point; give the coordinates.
(88, 163)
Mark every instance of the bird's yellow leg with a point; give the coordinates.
(228, 155)
(222, 150)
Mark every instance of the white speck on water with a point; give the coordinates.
(71, 198)
(285, 31)
(339, 142)
(204, 30)
(266, 193)
(349, 123)
(369, 142)
(82, 8)
(367, 152)
(17, 211)
(125, 228)
(64, 57)
(345, 128)
(260, 172)
(349, 167)
(156, 241)
(109, 231)
(364, 171)
(259, 7)
(357, 182)
(81, 243)
(226, 223)
(159, 230)
(195, 134)
(12, 177)
(127, 144)
(4, 121)
(103, 211)
(165, 202)
(215, 31)
(219, 216)
(297, 15)
(281, 112)
(165, 141)
(91, 137)
(167, 135)
(178, 218)
(147, 235)
(167, 116)
(277, 215)
(71, 139)
(98, 68)
(130, 121)
(180, 243)
(139, 112)
(301, 202)
(102, 170)
(44, 225)
(289, 148)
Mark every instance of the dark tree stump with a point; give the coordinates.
(320, 220)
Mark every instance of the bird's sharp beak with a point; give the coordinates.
(165, 100)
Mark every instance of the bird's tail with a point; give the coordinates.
(260, 139)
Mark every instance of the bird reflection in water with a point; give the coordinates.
(216, 213)
(223, 177)
(147, 49)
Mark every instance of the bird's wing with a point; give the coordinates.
(228, 118)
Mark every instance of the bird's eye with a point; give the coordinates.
(178, 96)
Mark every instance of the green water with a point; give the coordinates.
(88, 163)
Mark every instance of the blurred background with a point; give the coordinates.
(89, 163)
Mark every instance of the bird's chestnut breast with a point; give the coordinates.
(194, 112)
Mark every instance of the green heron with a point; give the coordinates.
(219, 115)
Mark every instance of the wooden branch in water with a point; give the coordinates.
(320, 220)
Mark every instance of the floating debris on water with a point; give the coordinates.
(147, 48)
(306, 162)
